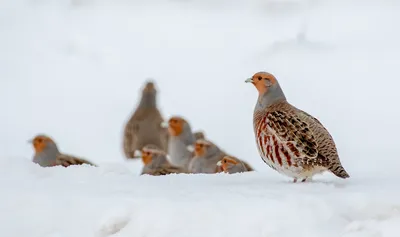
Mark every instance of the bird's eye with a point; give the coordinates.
(224, 161)
(259, 78)
(40, 140)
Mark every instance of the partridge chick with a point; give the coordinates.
(206, 158)
(145, 125)
(47, 153)
(156, 163)
(290, 140)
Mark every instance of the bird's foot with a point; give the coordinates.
(294, 180)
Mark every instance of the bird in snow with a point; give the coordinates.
(207, 155)
(156, 163)
(181, 141)
(231, 165)
(145, 125)
(47, 153)
(288, 139)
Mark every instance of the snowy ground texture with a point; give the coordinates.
(72, 69)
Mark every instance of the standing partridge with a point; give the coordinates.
(145, 125)
(181, 141)
(156, 163)
(288, 139)
(206, 158)
(47, 153)
(231, 165)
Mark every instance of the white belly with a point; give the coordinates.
(279, 157)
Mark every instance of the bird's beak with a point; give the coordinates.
(137, 154)
(219, 163)
(30, 141)
(164, 124)
(190, 148)
(249, 80)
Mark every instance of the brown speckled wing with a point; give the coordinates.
(326, 145)
(143, 128)
(67, 160)
(167, 169)
(129, 142)
(289, 127)
(298, 136)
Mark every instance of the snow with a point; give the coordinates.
(74, 69)
(87, 201)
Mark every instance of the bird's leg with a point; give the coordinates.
(307, 179)
(294, 180)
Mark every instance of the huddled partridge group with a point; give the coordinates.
(289, 140)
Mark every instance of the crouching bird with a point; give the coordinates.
(156, 163)
(207, 155)
(232, 165)
(47, 153)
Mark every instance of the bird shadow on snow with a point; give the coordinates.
(256, 178)
(334, 183)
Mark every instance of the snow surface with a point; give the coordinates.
(74, 69)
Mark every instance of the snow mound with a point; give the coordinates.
(86, 201)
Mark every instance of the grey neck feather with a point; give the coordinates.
(187, 135)
(177, 147)
(148, 100)
(48, 156)
(273, 95)
(212, 151)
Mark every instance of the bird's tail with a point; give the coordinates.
(338, 170)
(248, 167)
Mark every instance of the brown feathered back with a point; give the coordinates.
(145, 125)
